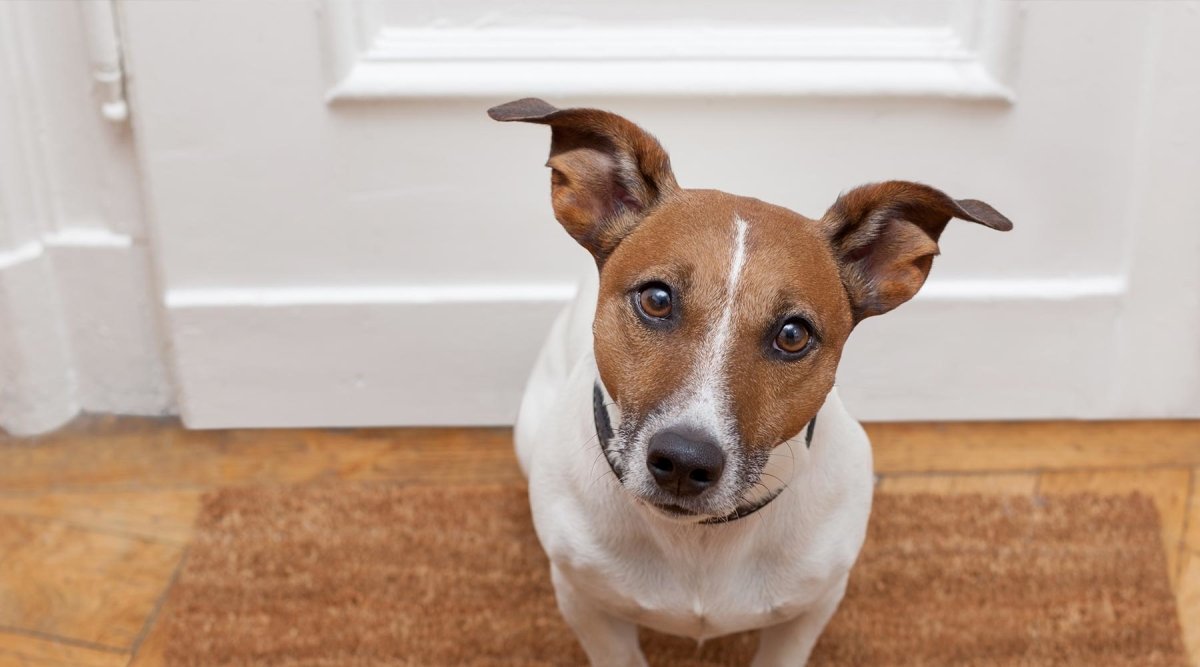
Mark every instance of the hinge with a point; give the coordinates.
(104, 46)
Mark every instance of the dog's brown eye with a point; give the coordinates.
(655, 301)
(793, 337)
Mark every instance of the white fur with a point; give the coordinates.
(705, 398)
(617, 563)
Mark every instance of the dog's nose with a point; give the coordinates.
(683, 463)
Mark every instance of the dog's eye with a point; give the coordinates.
(654, 300)
(793, 337)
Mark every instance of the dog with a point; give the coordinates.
(691, 468)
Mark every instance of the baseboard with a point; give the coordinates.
(356, 356)
(935, 359)
(37, 379)
(109, 309)
(459, 355)
(78, 331)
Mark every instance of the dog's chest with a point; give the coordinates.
(700, 590)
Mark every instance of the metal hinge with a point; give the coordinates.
(104, 45)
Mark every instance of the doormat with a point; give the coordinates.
(377, 575)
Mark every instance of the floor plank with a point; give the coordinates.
(163, 515)
(160, 455)
(1188, 598)
(1192, 536)
(168, 457)
(1019, 484)
(151, 652)
(62, 580)
(1167, 487)
(1028, 446)
(1188, 590)
(22, 650)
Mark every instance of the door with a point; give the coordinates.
(343, 238)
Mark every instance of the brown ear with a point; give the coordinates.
(606, 171)
(884, 236)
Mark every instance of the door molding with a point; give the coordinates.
(78, 324)
(968, 58)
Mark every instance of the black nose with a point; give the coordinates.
(684, 463)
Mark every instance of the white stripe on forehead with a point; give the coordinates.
(705, 399)
(719, 344)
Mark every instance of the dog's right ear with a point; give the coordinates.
(606, 172)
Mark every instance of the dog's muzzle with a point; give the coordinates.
(681, 463)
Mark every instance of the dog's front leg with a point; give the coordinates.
(607, 640)
(790, 643)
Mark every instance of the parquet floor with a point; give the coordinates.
(95, 519)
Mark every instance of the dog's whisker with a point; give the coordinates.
(595, 460)
(774, 477)
(768, 489)
(788, 442)
(596, 480)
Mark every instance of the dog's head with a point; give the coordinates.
(721, 319)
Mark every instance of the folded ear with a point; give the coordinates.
(884, 236)
(606, 172)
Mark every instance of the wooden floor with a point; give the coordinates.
(95, 520)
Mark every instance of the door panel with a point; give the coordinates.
(337, 219)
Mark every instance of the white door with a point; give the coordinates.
(343, 237)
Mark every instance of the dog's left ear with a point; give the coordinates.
(884, 236)
(606, 172)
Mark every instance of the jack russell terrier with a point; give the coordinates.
(691, 468)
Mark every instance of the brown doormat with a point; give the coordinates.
(383, 575)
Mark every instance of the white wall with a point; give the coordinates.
(331, 217)
(337, 217)
(78, 321)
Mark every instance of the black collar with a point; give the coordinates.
(604, 432)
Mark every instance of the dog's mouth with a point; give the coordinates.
(682, 510)
(673, 510)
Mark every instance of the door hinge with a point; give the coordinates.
(104, 46)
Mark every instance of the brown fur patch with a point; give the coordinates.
(687, 242)
(885, 237)
(606, 171)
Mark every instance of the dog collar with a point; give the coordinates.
(604, 433)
